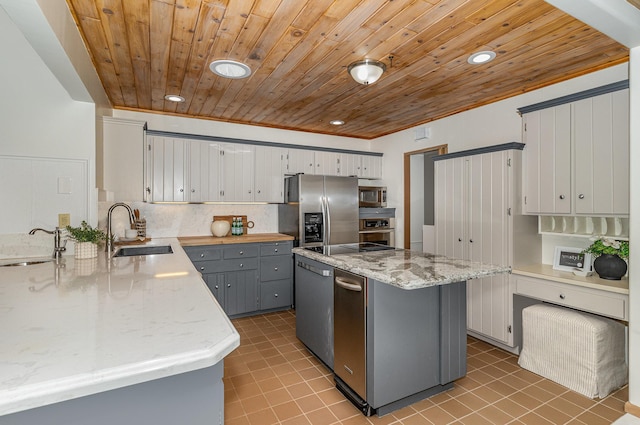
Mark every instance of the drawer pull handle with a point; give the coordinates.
(562, 296)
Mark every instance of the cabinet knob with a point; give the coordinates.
(561, 196)
(459, 239)
(228, 285)
(275, 295)
(249, 191)
(581, 196)
(181, 190)
(275, 269)
(202, 268)
(471, 240)
(258, 190)
(216, 287)
(193, 191)
(241, 265)
(275, 250)
(562, 296)
(202, 255)
(241, 252)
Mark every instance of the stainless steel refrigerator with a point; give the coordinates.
(320, 210)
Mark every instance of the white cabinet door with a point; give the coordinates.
(168, 159)
(601, 137)
(349, 164)
(547, 156)
(488, 302)
(122, 159)
(269, 174)
(237, 172)
(300, 161)
(326, 163)
(473, 197)
(371, 167)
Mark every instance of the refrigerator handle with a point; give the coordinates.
(327, 219)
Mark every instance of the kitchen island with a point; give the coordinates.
(112, 340)
(390, 323)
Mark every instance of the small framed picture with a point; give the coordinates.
(569, 259)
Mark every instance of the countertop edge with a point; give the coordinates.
(577, 281)
(228, 240)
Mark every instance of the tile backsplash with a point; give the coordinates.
(170, 220)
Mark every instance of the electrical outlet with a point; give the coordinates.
(64, 220)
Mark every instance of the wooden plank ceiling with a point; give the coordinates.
(299, 50)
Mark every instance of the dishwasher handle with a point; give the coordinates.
(348, 285)
(313, 269)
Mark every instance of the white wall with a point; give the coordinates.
(39, 119)
(485, 126)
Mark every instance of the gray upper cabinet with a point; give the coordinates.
(576, 158)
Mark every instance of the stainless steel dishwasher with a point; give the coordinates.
(350, 337)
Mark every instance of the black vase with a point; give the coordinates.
(610, 267)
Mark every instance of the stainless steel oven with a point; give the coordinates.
(380, 230)
(372, 196)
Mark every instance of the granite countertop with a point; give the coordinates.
(406, 269)
(87, 326)
(248, 238)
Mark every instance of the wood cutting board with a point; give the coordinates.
(229, 218)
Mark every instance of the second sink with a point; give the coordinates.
(129, 251)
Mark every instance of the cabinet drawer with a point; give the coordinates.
(203, 253)
(275, 248)
(206, 267)
(593, 301)
(237, 264)
(240, 251)
(274, 268)
(275, 294)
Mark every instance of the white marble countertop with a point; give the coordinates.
(87, 326)
(403, 268)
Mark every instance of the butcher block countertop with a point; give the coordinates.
(253, 238)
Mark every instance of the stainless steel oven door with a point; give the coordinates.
(382, 237)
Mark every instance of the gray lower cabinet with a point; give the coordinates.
(247, 277)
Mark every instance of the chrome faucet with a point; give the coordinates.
(132, 219)
(58, 249)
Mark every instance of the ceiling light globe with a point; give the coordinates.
(481, 57)
(367, 71)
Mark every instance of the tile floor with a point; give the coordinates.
(272, 379)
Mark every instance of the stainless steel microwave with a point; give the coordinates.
(372, 196)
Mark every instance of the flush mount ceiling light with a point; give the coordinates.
(481, 57)
(174, 98)
(230, 69)
(366, 71)
(336, 122)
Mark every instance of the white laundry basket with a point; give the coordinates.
(582, 351)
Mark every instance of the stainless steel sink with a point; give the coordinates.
(25, 263)
(129, 251)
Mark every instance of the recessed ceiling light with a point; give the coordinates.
(230, 69)
(481, 57)
(336, 122)
(174, 98)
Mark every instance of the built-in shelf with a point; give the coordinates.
(584, 226)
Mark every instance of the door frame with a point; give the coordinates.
(441, 149)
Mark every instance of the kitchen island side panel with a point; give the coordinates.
(453, 331)
(403, 334)
(194, 398)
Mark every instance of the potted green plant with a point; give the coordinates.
(87, 239)
(610, 255)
